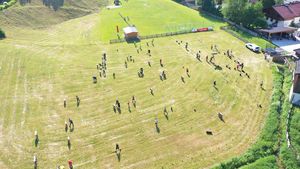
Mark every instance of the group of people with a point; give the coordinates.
(102, 67)
(128, 59)
(68, 126)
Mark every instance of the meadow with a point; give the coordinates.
(40, 67)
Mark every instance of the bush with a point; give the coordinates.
(2, 34)
(263, 163)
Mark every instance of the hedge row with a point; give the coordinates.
(263, 163)
(267, 142)
(8, 4)
(288, 155)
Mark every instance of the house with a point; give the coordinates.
(280, 32)
(295, 90)
(131, 33)
(283, 15)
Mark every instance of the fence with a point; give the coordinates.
(153, 36)
(165, 34)
(228, 30)
(231, 23)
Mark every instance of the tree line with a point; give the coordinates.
(240, 11)
(55, 4)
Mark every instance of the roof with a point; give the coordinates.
(275, 52)
(285, 11)
(297, 68)
(279, 30)
(297, 52)
(130, 29)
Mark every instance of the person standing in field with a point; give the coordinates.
(65, 103)
(77, 101)
(35, 162)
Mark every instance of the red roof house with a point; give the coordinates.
(283, 15)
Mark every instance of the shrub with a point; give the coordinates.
(8, 4)
(263, 163)
(2, 34)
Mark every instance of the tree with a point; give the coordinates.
(248, 14)
(268, 3)
(210, 6)
(2, 34)
(234, 9)
(55, 4)
(253, 16)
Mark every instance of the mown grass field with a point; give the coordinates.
(151, 17)
(41, 67)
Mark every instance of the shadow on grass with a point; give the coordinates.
(133, 40)
(157, 129)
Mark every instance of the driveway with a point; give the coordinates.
(288, 45)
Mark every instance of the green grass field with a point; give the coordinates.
(151, 17)
(41, 67)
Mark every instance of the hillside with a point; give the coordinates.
(37, 15)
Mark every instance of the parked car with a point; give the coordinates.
(253, 47)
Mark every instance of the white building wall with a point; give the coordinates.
(297, 20)
(283, 23)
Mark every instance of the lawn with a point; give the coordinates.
(150, 17)
(41, 67)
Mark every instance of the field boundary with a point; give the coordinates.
(159, 35)
(225, 28)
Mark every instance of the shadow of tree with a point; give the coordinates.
(23, 2)
(54, 4)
